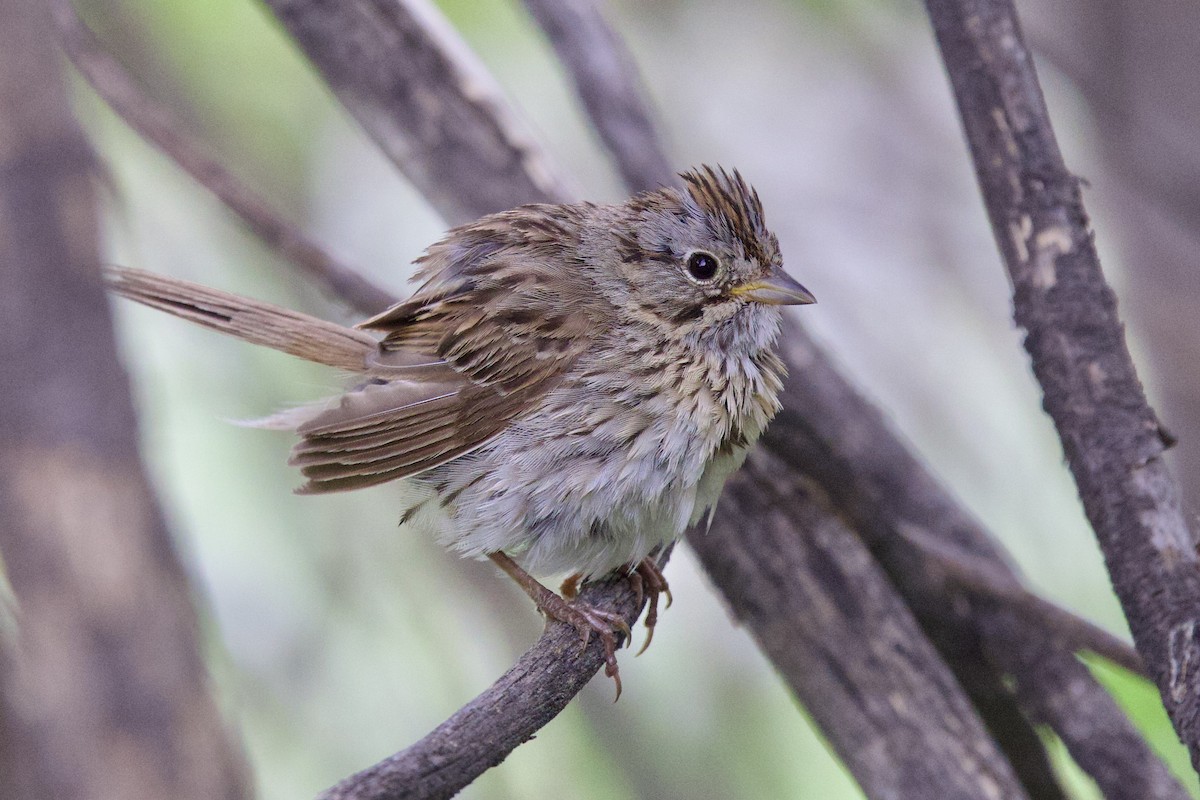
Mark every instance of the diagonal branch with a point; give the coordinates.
(1112, 439)
(482, 733)
(403, 72)
(155, 123)
(608, 85)
(846, 643)
(986, 581)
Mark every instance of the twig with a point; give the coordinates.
(1060, 692)
(1111, 437)
(156, 124)
(988, 581)
(482, 733)
(609, 87)
(403, 72)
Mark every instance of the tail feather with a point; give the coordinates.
(250, 320)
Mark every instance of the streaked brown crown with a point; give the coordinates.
(733, 206)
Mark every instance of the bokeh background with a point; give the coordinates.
(336, 638)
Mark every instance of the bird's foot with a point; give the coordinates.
(585, 618)
(588, 619)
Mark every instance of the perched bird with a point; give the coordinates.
(569, 386)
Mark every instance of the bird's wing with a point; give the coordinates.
(476, 347)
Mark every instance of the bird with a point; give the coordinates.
(566, 390)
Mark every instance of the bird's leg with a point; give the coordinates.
(585, 618)
(570, 586)
(646, 578)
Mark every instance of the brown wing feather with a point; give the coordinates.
(478, 345)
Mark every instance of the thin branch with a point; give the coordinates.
(609, 87)
(846, 643)
(1061, 693)
(986, 580)
(155, 123)
(403, 72)
(482, 733)
(1111, 437)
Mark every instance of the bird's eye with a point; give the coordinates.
(702, 266)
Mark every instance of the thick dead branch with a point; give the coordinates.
(844, 640)
(1111, 437)
(420, 93)
(831, 433)
(104, 689)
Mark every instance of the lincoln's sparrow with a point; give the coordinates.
(569, 386)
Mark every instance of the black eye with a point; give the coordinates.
(702, 266)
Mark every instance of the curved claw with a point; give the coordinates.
(647, 577)
(646, 643)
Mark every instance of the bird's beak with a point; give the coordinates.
(777, 289)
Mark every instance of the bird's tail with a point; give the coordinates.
(260, 323)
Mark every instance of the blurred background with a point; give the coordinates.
(336, 638)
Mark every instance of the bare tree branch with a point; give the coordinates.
(482, 733)
(1060, 692)
(156, 124)
(845, 642)
(829, 432)
(986, 580)
(609, 87)
(1112, 439)
(104, 690)
(421, 94)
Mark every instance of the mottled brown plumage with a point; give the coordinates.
(491, 328)
(569, 385)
